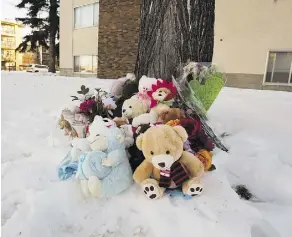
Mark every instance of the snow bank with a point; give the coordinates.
(35, 203)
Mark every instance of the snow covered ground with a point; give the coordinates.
(36, 204)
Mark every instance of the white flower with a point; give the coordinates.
(109, 102)
(81, 97)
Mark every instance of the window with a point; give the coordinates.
(86, 16)
(76, 64)
(8, 42)
(94, 64)
(85, 64)
(8, 29)
(95, 13)
(279, 67)
(9, 55)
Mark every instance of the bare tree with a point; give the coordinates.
(173, 32)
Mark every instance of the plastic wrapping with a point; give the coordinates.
(198, 86)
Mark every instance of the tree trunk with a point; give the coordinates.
(53, 25)
(202, 18)
(173, 32)
(52, 54)
(38, 56)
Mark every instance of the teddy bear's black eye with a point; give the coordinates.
(97, 135)
(130, 107)
(167, 152)
(152, 153)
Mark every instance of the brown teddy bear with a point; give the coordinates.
(170, 114)
(200, 144)
(120, 121)
(69, 130)
(166, 164)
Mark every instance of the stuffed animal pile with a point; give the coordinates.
(144, 137)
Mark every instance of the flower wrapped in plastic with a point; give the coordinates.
(198, 86)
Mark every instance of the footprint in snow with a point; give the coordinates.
(27, 154)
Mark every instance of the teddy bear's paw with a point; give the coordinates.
(151, 189)
(136, 122)
(94, 186)
(195, 189)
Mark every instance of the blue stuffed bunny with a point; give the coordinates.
(69, 165)
(105, 171)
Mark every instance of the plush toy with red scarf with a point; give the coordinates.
(198, 142)
(162, 95)
(166, 164)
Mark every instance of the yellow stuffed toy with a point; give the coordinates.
(166, 164)
(206, 158)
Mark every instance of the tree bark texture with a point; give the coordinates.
(53, 22)
(173, 32)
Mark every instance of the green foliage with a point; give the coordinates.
(30, 42)
(83, 90)
(208, 91)
(40, 25)
(43, 19)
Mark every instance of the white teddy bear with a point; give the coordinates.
(127, 131)
(145, 84)
(79, 146)
(134, 107)
(105, 171)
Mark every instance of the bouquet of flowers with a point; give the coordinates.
(99, 103)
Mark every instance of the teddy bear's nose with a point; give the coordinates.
(161, 164)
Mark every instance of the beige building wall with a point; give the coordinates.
(77, 3)
(66, 34)
(75, 42)
(85, 41)
(244, 32)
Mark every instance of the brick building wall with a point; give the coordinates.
(118, 36)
